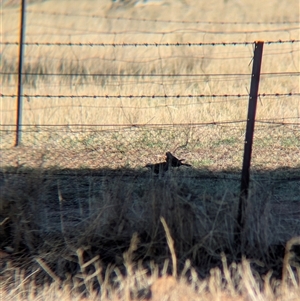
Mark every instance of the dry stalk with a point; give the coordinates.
(82, 265)
(286, 266)
(60, 198)
(128, 256)
(128, 261)
(165, 267)
(249, 282)
(170, 242)
(105, 283)
(227, 275)
(4, 221)
(187, 266)
(47, 269)
(90, 262)
(267, 285)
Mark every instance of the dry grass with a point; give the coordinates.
(212, 147)
(119, 231)
(239, 284)
(150, 60)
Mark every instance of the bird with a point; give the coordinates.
(173, 161)
(158, 168)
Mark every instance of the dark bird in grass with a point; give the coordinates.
(158, 168)
(173, 161)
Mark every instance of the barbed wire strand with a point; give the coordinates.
(151, 96)
(68, 127)
(279, 120)
(189, 44)
(139, 107)
(128, 125)
(291, 73)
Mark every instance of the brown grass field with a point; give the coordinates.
(80, 216)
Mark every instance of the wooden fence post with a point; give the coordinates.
(255, 76)
(20, 83)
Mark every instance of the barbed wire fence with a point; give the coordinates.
(128, 102)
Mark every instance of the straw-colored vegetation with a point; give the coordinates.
(79, 26)
(80, 219)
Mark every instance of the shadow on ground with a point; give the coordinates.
(50, 214)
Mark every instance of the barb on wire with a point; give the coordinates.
(189, 44)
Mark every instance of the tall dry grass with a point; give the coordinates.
(79, 26)
(140, 286)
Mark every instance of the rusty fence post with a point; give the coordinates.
(245, 179)
(20, 83)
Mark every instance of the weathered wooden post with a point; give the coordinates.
(255, 76)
